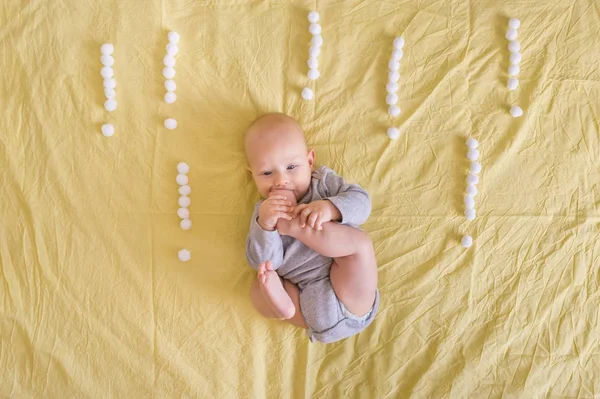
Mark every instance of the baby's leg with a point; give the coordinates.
(269, 296)
(263, 306)
(354, 271)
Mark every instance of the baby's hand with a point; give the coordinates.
(272, 209)
(316, 213)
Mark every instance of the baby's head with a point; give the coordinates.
(278, 156)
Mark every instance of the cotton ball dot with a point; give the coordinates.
(394, 110)
(314, 51)
(170, 85)
(469, 202)
(183, 213)
(514, 46)
(470, 214)
(185, 224)
(393, 76)
(514, 23)
(184, 201)
(169, 72)
(182, 179)
(512, 84)
(107, 60)
(511, 34)
(317, 41)
(183, 168)
(475, 167)
(184, 255)
(313, 63)
(394, 65)
(472, 143)
(466, 241)
(513, 70)
(169, 60)
(170, 123)
(391, 99)
(313, 17)
(170, 97)
(185, 190)
(172, 48)
(107, 49)
(314, 29)
(473, 154)
(110, 93)
(107, 72)
(110, 83)
(307, 93)
(391, 87)
(393, 133)
(472, 178)
(471, 190)
(108, 130)
(516, 111)
(397, 54)
(515, 58)
(313, 74)
(173, 37)
(399, 42)
(110, 105)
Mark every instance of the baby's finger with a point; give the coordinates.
(299, 209)
(276, 197)
(283, 215)
(280, 208)
(304, 216)
(319, 222)
(313, 218)
(279, 202)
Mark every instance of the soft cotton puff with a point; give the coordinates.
(169, 73)
(516, 111)
(514, 46)
(110, 93)
(391, 99)
(313, 17)
(107, 60)
(397, 54)
(184, 255)
(110, 83)
(170, 97)
(391, 87)
(394, 65)
(307, 93)
(313, 74)
(316, 41)
(107, 72)
(108, 130)
(172, 48)
(185, 190)
(313, 63)
(314, 29)
(467, 241)
(393, 133)
(173, 37)
(394, 110)
(515, 58)
(184, 201)
(314, 51)
(475, 167)
(169, 60)
(472, 143)
(473, 154)
(511, 34)
(513, 70)
(469, 202)
(472, 178)
(170, 85)
(170, 123)
(514, 23)
(107, 49)
(399, 42)
(183, 213)
(393, 76)
(185, 224)
(110, 105)
(470, 214)
(183, 167)
(512, 84)
(182, 179)
(471, 190)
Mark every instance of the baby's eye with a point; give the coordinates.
(291, 167)
(267, 173)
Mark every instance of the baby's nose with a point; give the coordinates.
(281, 181)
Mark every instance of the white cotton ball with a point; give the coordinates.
(313, 17)
(470, 214)
(391, 99)
(316, 41)
(313, 74)
(469, 202)
(185, 190)
(512, 84)
(397, 54)
(394, 65)
(107, 49)
(182, 179)
(393, 133)
(110, 105)
(110, 83)
(399, 42)
(185, 224)
(184, 201)
(170, 85)
(472, 143)
(169, 60)
(313, 63)
(514, 23)
(108, 130)
(472, 178)
(466, 241)
(107, 60)
(473, 154)
(391, 87)
(393, 76)
(314, 51)
(475, 167)
(511, 34)
(513, 70)
(183, 213)
(514, 46)
(170, 97)
(110, 93)
(515, 58)
(107, 72)
(184, 255)
(169, 73)
(170, 123)
(307, 93)
(173, 37)
(172, 48)
(471, 190)
(183, 168)
(394, 110)
(314, 29)
(516, 111)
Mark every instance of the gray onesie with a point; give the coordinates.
(326, 317)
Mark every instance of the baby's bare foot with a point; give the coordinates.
(273, 291)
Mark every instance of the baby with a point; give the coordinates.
(316, 269)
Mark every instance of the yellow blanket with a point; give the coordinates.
(93, 300)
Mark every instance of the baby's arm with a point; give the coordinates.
(351, 200)
(263, 245)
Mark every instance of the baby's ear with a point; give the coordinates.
(311, 157)
(249, 169)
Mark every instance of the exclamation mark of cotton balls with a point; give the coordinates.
(169, 73)
(472, 181)
(108, 74)
(184, 200)
(515, 59)
(391, 87)
(313, 52)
